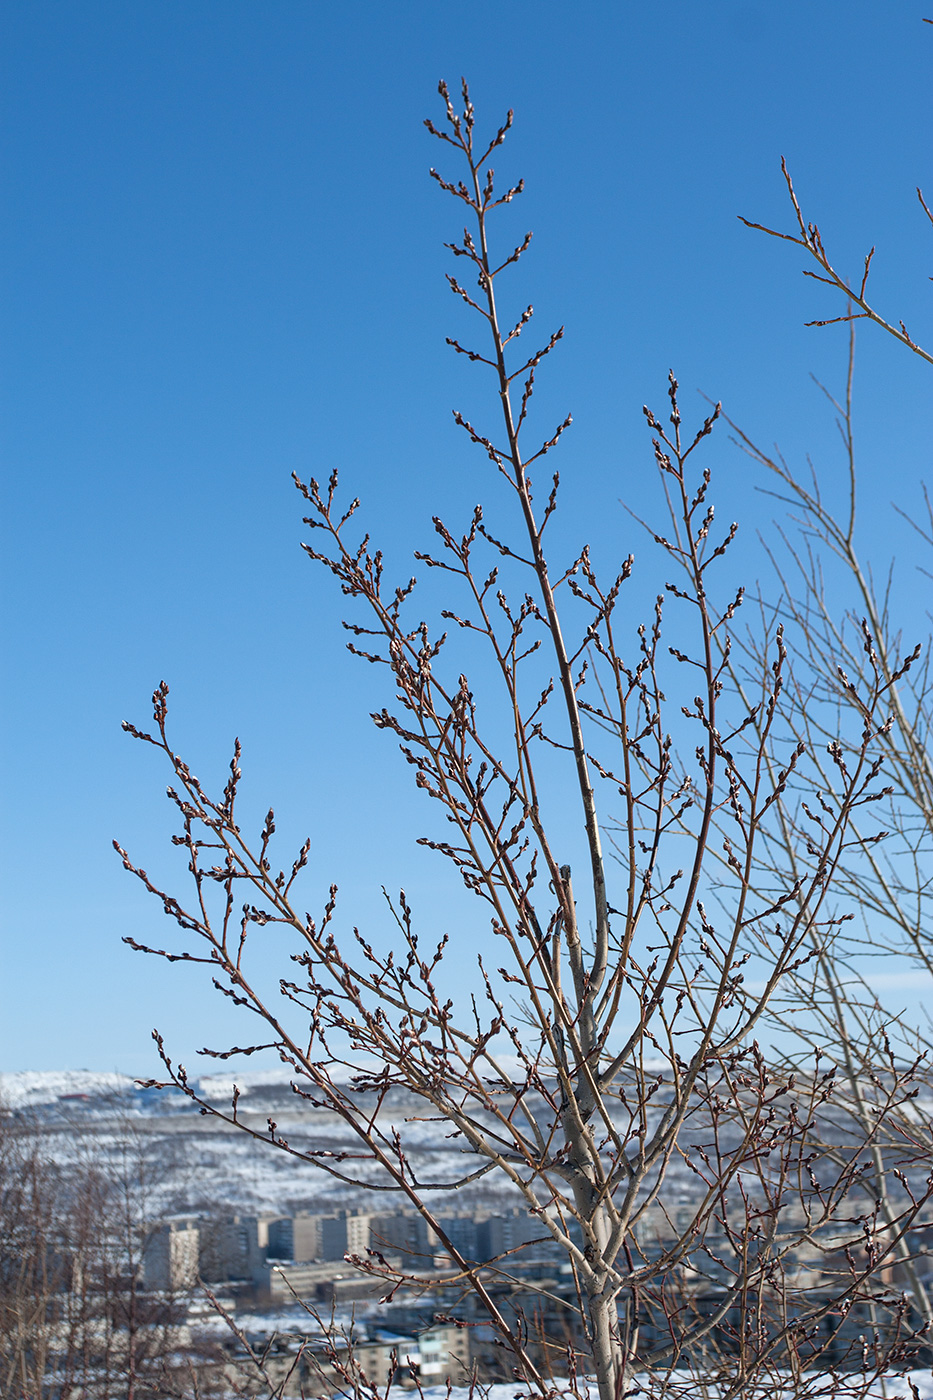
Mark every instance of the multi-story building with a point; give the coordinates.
(499, 1234)
(233, 1248)
(402, 1234)
(345, 1233)
(443, 1354)
(431, 1355)
(296, 1237)
(170, 1256)
(279, 1281)
(461, 1231)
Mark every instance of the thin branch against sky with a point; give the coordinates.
(220, 271)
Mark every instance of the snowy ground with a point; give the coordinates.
(915, 1385)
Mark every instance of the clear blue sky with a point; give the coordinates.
(222, 262)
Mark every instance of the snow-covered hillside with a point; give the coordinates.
(197, 1162)
(33, 1087)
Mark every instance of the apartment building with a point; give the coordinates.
(297, 1237)
(402, 1234)
(170, 1256)
(233, 1247)
(348, 1232)
(428, 1356)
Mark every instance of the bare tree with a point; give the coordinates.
(76, 1317)
(31, 1266)
(843, 646)
(884, 885)
(711, 1207)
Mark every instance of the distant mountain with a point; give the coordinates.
(33, 1087)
